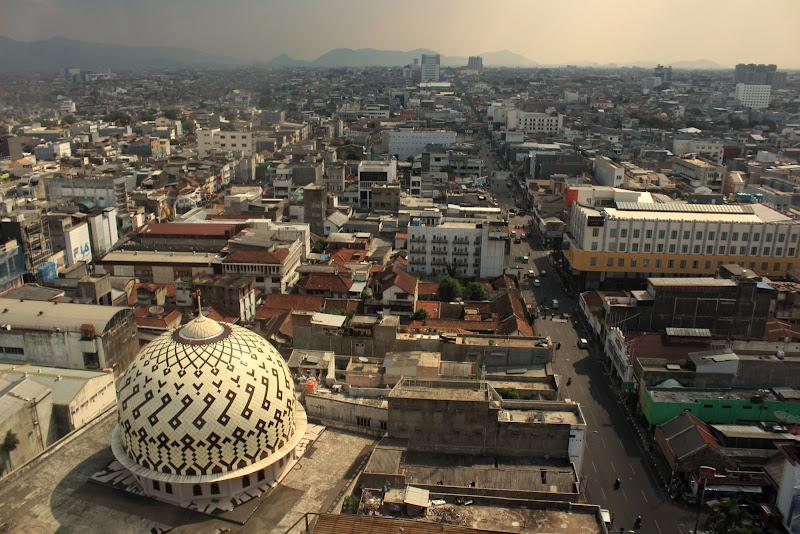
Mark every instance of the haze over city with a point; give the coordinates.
(577, 32)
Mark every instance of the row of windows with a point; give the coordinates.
(683, 264)
(648, 234)
(697, 249)
(12, 350)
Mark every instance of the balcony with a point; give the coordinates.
(439, 239)
(461, 240)
(460, 252)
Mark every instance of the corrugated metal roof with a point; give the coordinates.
(684, 208)
(688, 332)
(358, 524)
(37, 315)
(65, 383)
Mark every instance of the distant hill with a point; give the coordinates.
(699, 64)
(506, 58)
(59, 52)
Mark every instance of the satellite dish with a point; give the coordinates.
(786, 417)
(156, 310)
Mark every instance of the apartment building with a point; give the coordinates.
(622, 246)
(429, 68)
(374, 172)
(699, 172)
(216, 139)
(103, 191)
(275, 270)
(406, 142)
(752, 96)
(709, 149)
(474, 247)
(547, 123)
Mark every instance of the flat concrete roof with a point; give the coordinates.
(440, 392)
(39, 315)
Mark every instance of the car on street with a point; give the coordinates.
(525, 259)
(583, 343)
(554, 304)
(536, 282)
(543, 273)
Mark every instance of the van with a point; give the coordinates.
(525, 259)
(555, 304)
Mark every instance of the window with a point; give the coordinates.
(791, 252)
(745, 236)
(779, 251)
(214, 488)
(752, 265)
(721, 250)
(633, 263)
(683, 264)
(612, 247)
(670, 264)
(764, 266)
(781, 238)
(754, 251)
(593, 261)
(697, 249)
(769, 238)
(634, 247)
(648, 234)
(687, 234)
(612, 232)
(662, 234)
(724, 236)
(658, 264)
(793, 238)
(776, 267)
(710, 249)
(156, 485)
(636, 234)
(595, 232)
(699, 235)
(766, 251)
(623, 232)
(363, 421)
(659, 248)
(742, 251)
(756, 237)
(610, 262)
(245, 481)
(672, 249)
(621, 262)
(708, 265)
(645, 263)
(684, 249)
(260, 475)
(735, 236)
(647, 247)
(695, 264)
(197, 490)
(674, 234)
(168, 488)
(594, 245)
(711, 236)
(622, 247)
(789, 266)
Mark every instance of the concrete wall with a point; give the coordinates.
(347, 411)
(32, 438)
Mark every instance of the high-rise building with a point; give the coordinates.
(760, 75)
(430, 68)
(753, 96)
(475, 63)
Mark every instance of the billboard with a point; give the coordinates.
(78, 244)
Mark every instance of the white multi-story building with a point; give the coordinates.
(103, 228)
(216, 139)
(608, 173)
(429, 71)
(753, 96)
(709, 149)
(534, 122)
(374, 172)
(637, 240)
(407, 142)
(474, 247)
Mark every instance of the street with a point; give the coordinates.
(612, 449)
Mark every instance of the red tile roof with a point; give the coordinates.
(215, 230)
(431, 306)
(280, 301)
(333, 283)
(426, 289)
(394, 276)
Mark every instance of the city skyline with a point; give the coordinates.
(623, 33)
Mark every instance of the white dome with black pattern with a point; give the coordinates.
(206, 402)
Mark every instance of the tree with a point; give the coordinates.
(420, 315)
(449, 288)
(729, 518)
(9, 443)
(230, 115)
(147, 115)
(474, 291)
(69, 119)
(120, 118)
(172, 113)
(508, 393)
(227, 127)
(319, 246)
(65, 159)
(737, 124)
(265, 102)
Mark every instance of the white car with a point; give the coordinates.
(536, 282)
(583, 343)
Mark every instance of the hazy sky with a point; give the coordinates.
(549, 32)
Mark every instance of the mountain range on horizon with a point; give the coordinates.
(59, 52)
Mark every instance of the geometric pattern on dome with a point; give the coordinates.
(205, 408)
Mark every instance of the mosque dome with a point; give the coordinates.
(206, 402)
